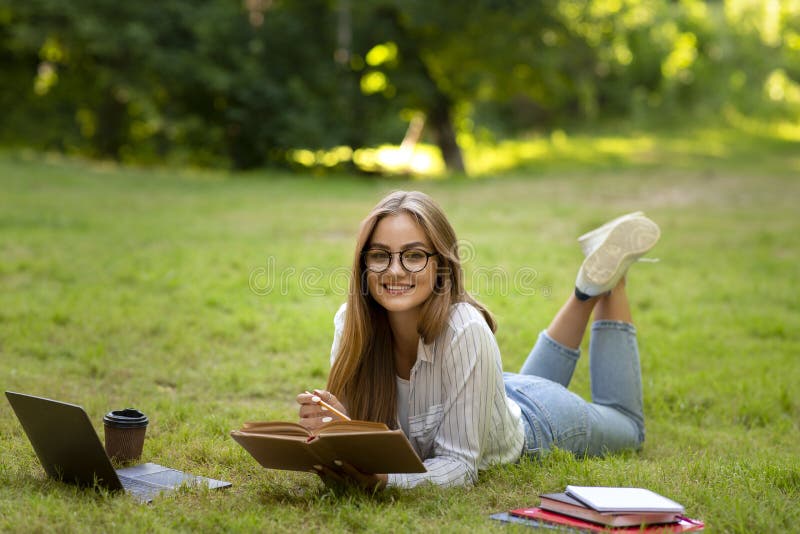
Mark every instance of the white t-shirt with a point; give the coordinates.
(459, 418)
(403, 387)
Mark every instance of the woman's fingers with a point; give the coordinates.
(352, 472)
(306, 398)
(367, 481)
(329, 476)
(342, 473)
(325, 395)
(330, 398)
(312, 404)
(313, 410)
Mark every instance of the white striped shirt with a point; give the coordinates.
(460, 420)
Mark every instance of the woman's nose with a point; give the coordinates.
(395, 266)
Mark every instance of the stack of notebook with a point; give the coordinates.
(586, 508)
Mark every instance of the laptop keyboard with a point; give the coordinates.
(141, 489)
(169, 477)
(146, 481)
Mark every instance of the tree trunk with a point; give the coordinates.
(111, 125)
(438, 104)
(441, 123)
(347, 103)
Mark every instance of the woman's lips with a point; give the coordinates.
(397, 289)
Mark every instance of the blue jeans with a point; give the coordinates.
(555, 417)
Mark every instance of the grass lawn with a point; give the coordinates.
(206, 299)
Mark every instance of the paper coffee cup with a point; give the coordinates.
(124, 433)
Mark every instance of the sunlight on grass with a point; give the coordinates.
(784, 130)
(486, 159)
(422, 160)
(740, 143)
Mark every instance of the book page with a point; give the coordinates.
(339, 427)
(275, 428)
(285, 428)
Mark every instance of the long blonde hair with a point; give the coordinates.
(363, 375)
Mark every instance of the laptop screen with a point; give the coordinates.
(65, 441)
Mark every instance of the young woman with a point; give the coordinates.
(414, 350)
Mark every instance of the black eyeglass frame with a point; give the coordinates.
(400, 255)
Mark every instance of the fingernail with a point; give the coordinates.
(323, 409)
(327, 419)
(315, 399)
(318, 467)
(338, 462)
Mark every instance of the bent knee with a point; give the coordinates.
(613, 430)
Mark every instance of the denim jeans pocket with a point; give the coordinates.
(562, 415)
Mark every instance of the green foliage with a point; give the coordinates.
(216, 82)
(141, 80)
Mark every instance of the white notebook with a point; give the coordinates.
(606, 499)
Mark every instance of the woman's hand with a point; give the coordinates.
(343, 473)
(312, 414)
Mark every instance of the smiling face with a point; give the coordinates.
(396, 289)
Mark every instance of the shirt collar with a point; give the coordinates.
(425, 352)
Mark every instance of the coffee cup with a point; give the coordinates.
(124, 433)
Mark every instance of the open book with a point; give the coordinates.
(367, 446)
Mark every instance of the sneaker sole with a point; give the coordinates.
(588, 239)
(623, 246)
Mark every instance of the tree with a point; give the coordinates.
(248, 82)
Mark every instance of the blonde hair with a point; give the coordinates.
(363, 375)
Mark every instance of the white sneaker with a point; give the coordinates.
(591, 240)
(628, 238)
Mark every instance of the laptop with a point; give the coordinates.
(70, 450)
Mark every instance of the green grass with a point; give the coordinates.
(127, 287)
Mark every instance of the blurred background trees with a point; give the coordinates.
(246, 83)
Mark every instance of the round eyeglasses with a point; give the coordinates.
(412, 260)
